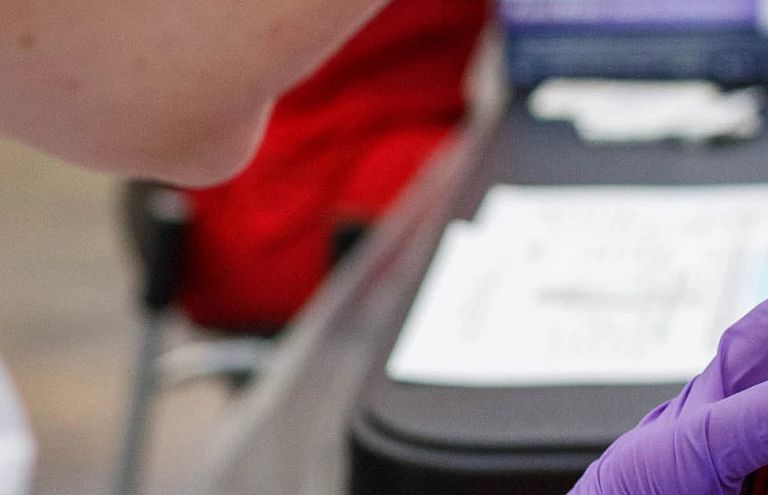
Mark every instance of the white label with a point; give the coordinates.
(555, 286)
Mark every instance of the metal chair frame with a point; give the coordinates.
(155, 219)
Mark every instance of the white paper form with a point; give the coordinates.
(556, 286)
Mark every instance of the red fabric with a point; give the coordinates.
(339, 146)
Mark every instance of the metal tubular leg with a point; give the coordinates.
(244, 356)
(145, 384)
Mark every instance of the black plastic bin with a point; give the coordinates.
(409, 439)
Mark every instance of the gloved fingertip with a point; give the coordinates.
(737, 432)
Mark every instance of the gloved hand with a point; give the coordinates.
(705, 441)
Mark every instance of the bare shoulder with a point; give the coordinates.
(173, 89)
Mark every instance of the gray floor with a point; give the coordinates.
(68, 331)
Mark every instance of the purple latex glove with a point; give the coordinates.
(706, 440)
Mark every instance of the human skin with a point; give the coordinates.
(174, 90)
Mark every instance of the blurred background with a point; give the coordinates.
(70, 325)
(69, 330)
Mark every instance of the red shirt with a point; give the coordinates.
(338, 148)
